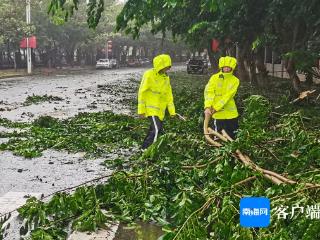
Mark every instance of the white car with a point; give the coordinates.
(103, 64)
(145, 61)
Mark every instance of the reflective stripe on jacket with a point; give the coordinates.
(155, 93)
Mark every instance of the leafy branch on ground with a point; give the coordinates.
(36, 99)
(191, 189)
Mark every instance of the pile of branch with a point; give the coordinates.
(243, 158)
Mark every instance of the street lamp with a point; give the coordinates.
(28, 20)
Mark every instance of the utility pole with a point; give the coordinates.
(28, 19)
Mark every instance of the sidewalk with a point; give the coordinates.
(10, 73)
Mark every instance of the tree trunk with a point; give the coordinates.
(15, 62)
(134, 51)
(49, 58)
(262, 70)
(69, 57)
(242, 71)
(252, 71)
(309, 79)
(213, 60)
(289, 65)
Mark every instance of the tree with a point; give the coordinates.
(59, 39)
(285, 25)
(290, 25)
(293, 24)
(197, 23)
(13, 27)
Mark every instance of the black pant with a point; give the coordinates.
(154, 131)
(229, 125)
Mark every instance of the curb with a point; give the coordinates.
(12, 76)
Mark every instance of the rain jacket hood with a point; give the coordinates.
(155, 93)
(227, 62)
(161, 61)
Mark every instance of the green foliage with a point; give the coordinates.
(48, 234)
(197, 22)
(255, 120)
(94, 10)
(94, 133)
(7, 123)
(305, 61)
(182, 183)
(36, 99)
(179, 17)
(83, 207)
(257, 111)
(46, 122)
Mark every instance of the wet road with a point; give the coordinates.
(90, 91)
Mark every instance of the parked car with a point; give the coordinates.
(103, 64)
(197, 66)
(134, 63)
(114, 63)
(145, 61)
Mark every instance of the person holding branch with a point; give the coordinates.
(219, 95)
(155, 96)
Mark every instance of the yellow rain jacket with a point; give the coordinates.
(221, 89)
(155, 93)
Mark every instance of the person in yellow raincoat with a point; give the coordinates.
(219, 97)
(155, 96)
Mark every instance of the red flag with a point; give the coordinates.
(23, 43)
(32, 42)
(215, 45)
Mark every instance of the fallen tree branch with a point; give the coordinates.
(275, 140)
(200, 165)
(269, 151)
(198, 211)
(206, 132)
(226, 135)
(82, 184)
(281, 115)
(273, 179)
(295, 192)
(212, 142)
(303, 95)
(245, 181)
(215, 133)
(272, 176)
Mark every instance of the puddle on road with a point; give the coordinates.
(143, 231)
